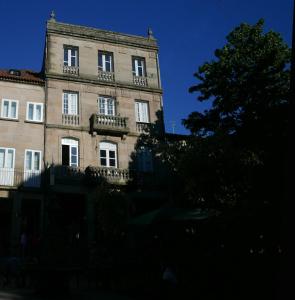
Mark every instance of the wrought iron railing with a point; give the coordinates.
(11, 177)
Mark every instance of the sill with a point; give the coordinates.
(34, 122)
(9, 119)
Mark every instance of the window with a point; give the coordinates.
(138, 66)
(7, 166)
(32, 172)
(7, 158)
(69, 152)
(108, 154)
(35, 112)
(106, 106)
(141, 112)
(32, 160)
(70, 56)
(144, 159)
(105, 61)
(9, 109)
(70, 103)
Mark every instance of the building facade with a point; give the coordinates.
(98, 91)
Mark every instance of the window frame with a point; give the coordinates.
(9, 109)
(34, 112)
(70, 105)
(139, 114)
(106, 99)
(135, 66)
(108, 146)
(103, 54)
(6, 149)
(32, 162)
(72, 143)
(68, 49)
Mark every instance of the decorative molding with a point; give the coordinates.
(101, 35)
(102, 83)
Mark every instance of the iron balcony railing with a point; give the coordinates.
(106, 123)
(11, 177)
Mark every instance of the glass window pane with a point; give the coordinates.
(137, 111)
(100, 60)
(102, 105)
(103, 153)
(112, 154)
(111, 107)
(74, 159)
(74, 57)
(5, 109)
(13, 110)
(65, 56)
(38, 112)
(103, 162)
(112, 162)
(28, 160)
(73, 104)
(2, 154)
(73, 150)
(9, 159)
(31, 112)
(66, 104)
(73, 61)
(36, 161)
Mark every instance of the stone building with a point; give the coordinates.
(97, 92)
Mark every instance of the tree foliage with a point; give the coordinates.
(237, 154)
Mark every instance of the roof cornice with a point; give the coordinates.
(101, 35)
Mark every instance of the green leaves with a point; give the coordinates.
(240, 140)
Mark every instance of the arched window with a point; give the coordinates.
(108, 154)
(70, 152)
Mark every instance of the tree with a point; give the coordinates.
(239, 145)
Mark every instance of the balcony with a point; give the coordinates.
(109, 124)
(140, 80)
(74, 175)
(72, 120)
(143, 127)
(106, 76)
(112, 175)
(19, 178)
(71, 70)
(66, 175)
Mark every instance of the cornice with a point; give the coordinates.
(101, 35)
(23, 81)
(102, 83)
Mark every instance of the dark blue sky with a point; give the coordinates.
(188, 32)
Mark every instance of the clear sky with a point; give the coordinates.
(188, 32)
